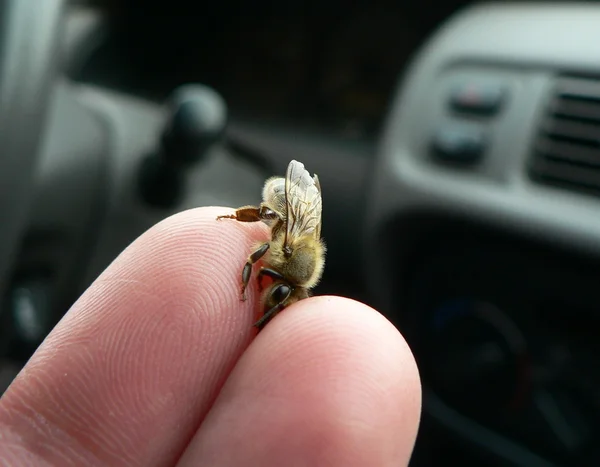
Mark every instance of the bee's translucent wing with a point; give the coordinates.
(318, 185)
(304, 203)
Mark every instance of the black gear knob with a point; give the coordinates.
(197, 120)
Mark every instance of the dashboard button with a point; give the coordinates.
(477, 98)
(457, 143)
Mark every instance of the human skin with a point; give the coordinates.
(158, 364)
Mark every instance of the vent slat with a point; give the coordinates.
(576, 110)
(572, 97)
(564, 172)
(572, 153)
(567, 148)
(587, 133)
(578, 88)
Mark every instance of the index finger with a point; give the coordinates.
(129, 373)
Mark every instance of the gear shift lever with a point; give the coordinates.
(197, 120)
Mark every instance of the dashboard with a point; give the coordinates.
(484, 223)
(458, 151)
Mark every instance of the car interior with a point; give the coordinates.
(458, 149)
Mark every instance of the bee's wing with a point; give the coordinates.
(319, 223)
(303, 201)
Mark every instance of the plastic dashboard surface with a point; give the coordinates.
(525, 48)
(459, 143)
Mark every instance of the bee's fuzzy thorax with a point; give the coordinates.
(305, 265)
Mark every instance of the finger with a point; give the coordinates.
(129, 373)
(329, 382)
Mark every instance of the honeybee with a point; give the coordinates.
(294, 257)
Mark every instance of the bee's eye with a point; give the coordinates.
(281, 293)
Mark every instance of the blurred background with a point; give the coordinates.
(324, 67)
(458, 148)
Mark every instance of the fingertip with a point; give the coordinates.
(334, 322)
(329, 381)
(144, 352)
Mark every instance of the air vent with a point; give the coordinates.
(567, 148)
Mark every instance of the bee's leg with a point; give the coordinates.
(247, 271)
(251, 214)
(264, 319)
(281, 295)
(244, 214)
(269, 273)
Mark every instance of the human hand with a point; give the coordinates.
(157, 364)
